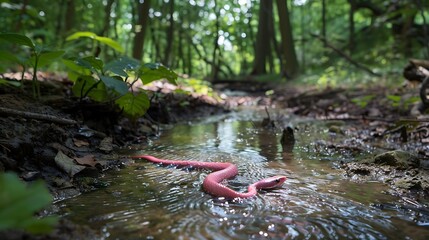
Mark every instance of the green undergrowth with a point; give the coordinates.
(108, 80)
(20, 202)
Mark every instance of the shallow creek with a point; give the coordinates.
(148, 201)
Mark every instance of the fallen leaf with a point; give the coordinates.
(87, 160)
(80, 143)
(67, 164)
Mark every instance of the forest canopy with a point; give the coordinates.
(228, 39)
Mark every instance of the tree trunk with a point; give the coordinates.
(167, 56)
(215, 57)
(106, 22)
(140, 28)
(21, 16)
(352, 26)
(156, 53)
(263, 37)
(324, 22)
(70, 16)
(291, 62)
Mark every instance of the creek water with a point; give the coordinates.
(149, 201)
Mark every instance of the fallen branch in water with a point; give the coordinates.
(37, 116)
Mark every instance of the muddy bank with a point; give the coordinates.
(85, 133)
(405, 173)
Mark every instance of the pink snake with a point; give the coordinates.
(222, 171)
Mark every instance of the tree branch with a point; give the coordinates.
(37, 116)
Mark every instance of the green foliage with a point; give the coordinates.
(19, 203)
(401, 102)
(199, 86)
(107, 41)
(111, 82)
(363, 101)
(39, 57)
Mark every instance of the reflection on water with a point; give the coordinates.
(146, 201)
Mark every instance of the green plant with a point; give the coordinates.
(104, 40)
(198, 86)
(19, 203)
(38, 58)
(362, 101)
(111, 82)
(399, 101)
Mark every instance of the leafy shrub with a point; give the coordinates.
(111, 82)
(39, 56)
(19, 203)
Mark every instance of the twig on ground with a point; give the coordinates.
(37, 116)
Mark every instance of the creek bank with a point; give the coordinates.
(72, 155)
(405, 173)
(32, 147)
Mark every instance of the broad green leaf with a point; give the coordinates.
(118, 85)
(121, 65)
(105, 40)
(43, 225)
(94, 62)
(77, 35)
(154, 71)
(111, 43)
(9, 82)
(84, 63)
(18, 39)
(134, 106)
(85, 83)
(19, 203)
(6, 56)
(75, 70)
(47, 58)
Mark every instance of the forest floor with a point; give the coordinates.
(70, 143)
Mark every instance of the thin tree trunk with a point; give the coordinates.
(324, 21)
(262, 45)
(215, 57)
(106, 22)
(157, 53)
(167, 56)
(21, 16)
(189, 58)
(303, 33)
(351, 26)
(70, 16)
(291, 62)
(140, 28)
(276, 49)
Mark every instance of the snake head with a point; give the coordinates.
(271, 182)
